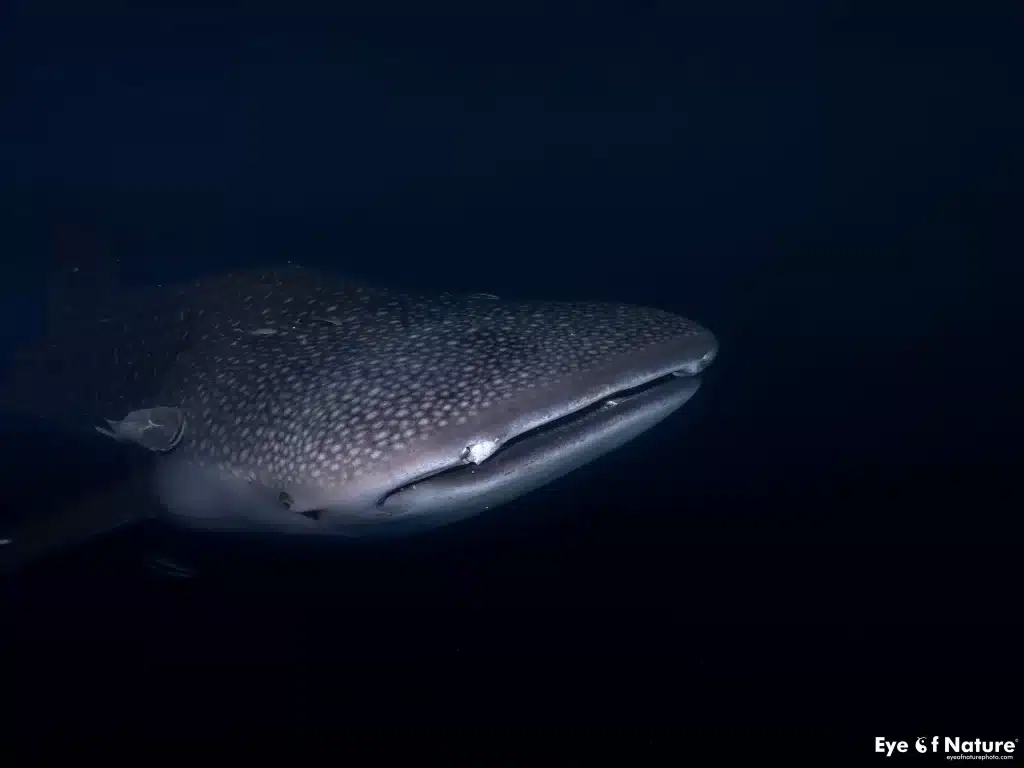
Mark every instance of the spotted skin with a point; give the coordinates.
(306, 384)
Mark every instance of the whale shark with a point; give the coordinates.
(295, 402)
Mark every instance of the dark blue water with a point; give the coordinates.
(829, 192)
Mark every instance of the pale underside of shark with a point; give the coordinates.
(288, 401)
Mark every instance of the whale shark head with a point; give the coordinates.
(288, 400)
(318, 404)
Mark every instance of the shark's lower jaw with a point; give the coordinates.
(537, 457)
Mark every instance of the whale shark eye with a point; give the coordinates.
(477, 452)
(285, 499)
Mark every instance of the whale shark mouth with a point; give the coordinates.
(541, 454)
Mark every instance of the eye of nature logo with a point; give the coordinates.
(953, 747)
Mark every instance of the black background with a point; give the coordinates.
(829, 189)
